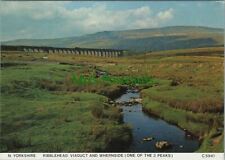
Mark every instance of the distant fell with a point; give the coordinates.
(138, 40)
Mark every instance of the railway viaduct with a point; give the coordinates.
(74, 51)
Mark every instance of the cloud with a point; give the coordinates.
(34, 10)
(56, 19)
(166, 15)
(221, 2)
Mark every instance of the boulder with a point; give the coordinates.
(162, 145)
(148, 139)
(131, 102)
(138, 100)
(111, 102)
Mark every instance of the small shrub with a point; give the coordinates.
(14, 142)
(76, 98)
(118, 138)
(97, 110)
(114, 114)
(98, 131)
(174, 82)
(56, 147)
(48, 85)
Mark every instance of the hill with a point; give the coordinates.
(139, 40)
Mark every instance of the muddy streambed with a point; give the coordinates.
(147, 130)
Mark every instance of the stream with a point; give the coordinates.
(144, 125)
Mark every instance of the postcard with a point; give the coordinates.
(109, 80)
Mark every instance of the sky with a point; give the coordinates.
(42, 20)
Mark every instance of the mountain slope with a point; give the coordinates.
(139, 40)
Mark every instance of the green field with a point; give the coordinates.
(39, 115)
(60, 104)
(122, 80)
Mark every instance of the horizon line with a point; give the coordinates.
(219, 28)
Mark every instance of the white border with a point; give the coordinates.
(111, 156)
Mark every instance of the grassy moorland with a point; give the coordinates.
(41, 111)
(184, 87)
